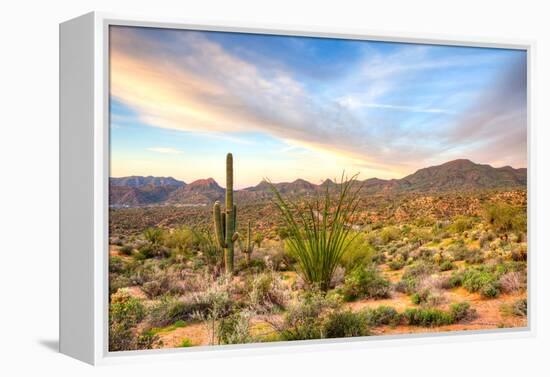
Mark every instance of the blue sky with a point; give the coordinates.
(295, 107)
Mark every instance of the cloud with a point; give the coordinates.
(164, 150)
(353, 103)
(372, 115)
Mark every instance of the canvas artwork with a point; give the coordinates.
(268, 188)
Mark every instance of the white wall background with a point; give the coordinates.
(29, 183)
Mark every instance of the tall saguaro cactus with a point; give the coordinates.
(225, 223)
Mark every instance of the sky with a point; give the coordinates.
(311, 108)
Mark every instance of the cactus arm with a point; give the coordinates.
(218, 225)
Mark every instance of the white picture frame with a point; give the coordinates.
(84, 168)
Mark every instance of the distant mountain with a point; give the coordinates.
(137, 190)
(463, 175)
(139, 181)
(201, 191)
(124, 196)
(451, 176)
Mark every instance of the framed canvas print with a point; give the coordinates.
(229, 188)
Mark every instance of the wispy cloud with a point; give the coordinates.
(165, 150)
(353, 103)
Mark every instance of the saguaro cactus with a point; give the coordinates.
(248, 248)
(225, 223)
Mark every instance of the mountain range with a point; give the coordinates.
(455, 175)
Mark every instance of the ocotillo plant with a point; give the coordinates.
(248, 247)
(225, 222)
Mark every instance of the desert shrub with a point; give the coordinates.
(146, 340)
(209, 253)
(424, 253)
(484, 282)
(126, 249)
(458, 251)
(170, 310)
(186, 342)
(253, 266)
(359, 253)
(266, 293)
(125, 308)
(461, 224)
(461, 311)
(304, 319)
(446, 265)
(406, 285)
(420, 268)
(504, 217)
(382, 315)
(389, 234)
(148, 251)
(182, 239)
(378, 257)
(519, 308)
(396, 264)
(320, 232)
(519, 253)
(235, 329)
(422, 235)
(258, 238)
(117, 281)
(512, 281)
(427, 297)
(125, 312)
(153, 235)
(429, 317)
(473, 256)
(365, 283)
(455, 280)
(341, 324)
(116, 264)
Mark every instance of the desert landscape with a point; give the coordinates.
(270, 188)
(443, 249)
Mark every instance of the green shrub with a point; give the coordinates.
(304, 319)
(359, 253)
(235, 329)
(396, 264)
(126, 250)
(365, 283)
(504, 217)
(484, 282)
(125, 312)
(382, 315)
(461, 311)
(170, 309)
(116, 264)
(461, 224)
(427, 317)
(266, 293)
(406, 285)
(341, 324)
(153, 235)
(185, 342)
(455, 280)
(446, 265)
(419, 269)
(389, 234)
